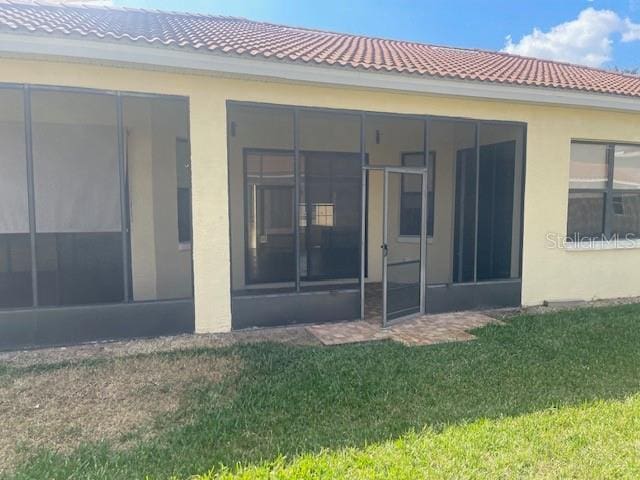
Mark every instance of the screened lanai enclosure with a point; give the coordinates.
(95, 216)
(340, 215)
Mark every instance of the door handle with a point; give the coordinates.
(385, 249)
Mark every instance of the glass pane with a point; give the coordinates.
(588, 166)
(626, 174)
(403, 259)
(330, 198)
(500, 183)
(410, 213)
(77, 198)
(625, 221)
(15, 247)
(158, 162)
(586, 216)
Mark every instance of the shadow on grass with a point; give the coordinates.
(290, 400)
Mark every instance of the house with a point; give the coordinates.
(168, 172)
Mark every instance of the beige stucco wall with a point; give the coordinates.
(548, 273)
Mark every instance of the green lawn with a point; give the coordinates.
(549, 396)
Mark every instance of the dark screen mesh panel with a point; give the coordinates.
(15, 271)
(330, 224)
(77, 198)
(411, 197)
(270, 193)
(330, 195)
(158, 161)
(403, 264)
(79, 268)
(15, 249)
(495, 210)
(465, 216)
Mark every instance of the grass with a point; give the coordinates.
(66, 405)
(598, 440)
(555, 395)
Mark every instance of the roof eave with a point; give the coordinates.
(192, 60)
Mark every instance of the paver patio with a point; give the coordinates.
(421, 330)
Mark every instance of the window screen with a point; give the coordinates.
(330, 195)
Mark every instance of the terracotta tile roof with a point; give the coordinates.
(241, 37)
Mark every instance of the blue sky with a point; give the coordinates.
(598, 32)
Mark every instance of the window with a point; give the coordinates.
(321, 214)
(411, 196)
(625, 221)
(183, 170)
(604, 192)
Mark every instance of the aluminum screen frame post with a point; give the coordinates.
(124, 199)
(296, 203)
(423, 219)
(31, 196)
(363, 213)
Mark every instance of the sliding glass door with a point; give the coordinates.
(270, 191)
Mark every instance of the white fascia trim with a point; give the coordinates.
(24, 45)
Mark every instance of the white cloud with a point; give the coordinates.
(632, 32)
(587, 40)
